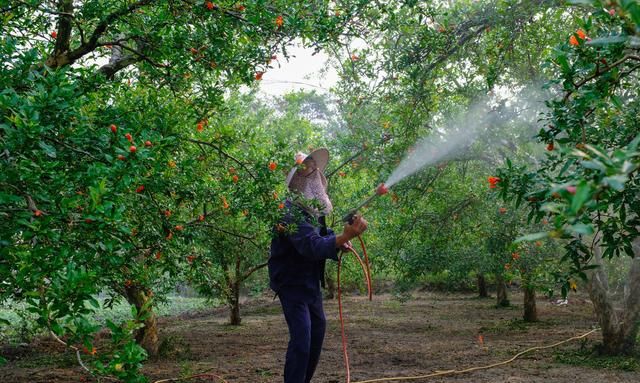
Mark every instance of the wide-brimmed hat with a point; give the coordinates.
(320, 156)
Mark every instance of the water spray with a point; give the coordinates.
(382, 189)
(456, 135)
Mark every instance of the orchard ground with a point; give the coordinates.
(386, 337)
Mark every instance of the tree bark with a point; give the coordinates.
(530, 310)
(234, 317)
(502, 300)
(482, 286)
(234, 299)
(619, 328)
(631, 315)
(147, 336)
(65, 19)
(331, 286)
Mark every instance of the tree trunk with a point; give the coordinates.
(331, 286)
(619, 328)
(631, 315)
(234, 301)
(530, 311)
(234, 317)
(147, 336)
(482, 286)
(501, 292)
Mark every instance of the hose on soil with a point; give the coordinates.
(466, 370)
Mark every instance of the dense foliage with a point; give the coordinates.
(136, 153)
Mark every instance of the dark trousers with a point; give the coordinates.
(305, 317)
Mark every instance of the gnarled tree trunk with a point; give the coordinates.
(147, 336)
(619, 328)
(482, 286)
(502, 300)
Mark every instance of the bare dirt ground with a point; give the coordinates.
(387, 338)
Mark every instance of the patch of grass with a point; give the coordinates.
(510, 306)
(174, 347)
(393, 304)
(588, 358)
(59, 360)
(228, 327)
(448, 281)
(186, 369)
(264, 372)
(478, 298)
(508, 326)
(264, 310)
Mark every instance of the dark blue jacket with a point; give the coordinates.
(297, 258)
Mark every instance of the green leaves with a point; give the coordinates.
(583, 2)
(562, 60)
(601, 41)
(581, 228)
(633, 8)
(532, 237)
(582, 194)
(616, 182)
(48, 149)
(590, 181)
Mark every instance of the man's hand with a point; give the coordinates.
(346, 247)
(357, 227)
(352, 230)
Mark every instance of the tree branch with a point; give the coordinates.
(252, 270)
(345, 163)
(65, 8)
(216, 227)
(80, 30)
(598, 73)
(142, 56)
(72, 148)
(223, 153)
(110, 69)
(231, 233)
(61, 58)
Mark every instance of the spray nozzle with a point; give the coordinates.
(380, 190)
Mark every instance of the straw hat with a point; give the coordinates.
(320, 156)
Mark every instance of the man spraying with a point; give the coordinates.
(299, 250)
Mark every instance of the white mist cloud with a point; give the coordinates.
(456, 135)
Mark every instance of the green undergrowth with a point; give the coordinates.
(516, 325)
(588, 358)
(174, 347)
(22, 327)
(60, 360)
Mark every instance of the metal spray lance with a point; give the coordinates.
(380, 190)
